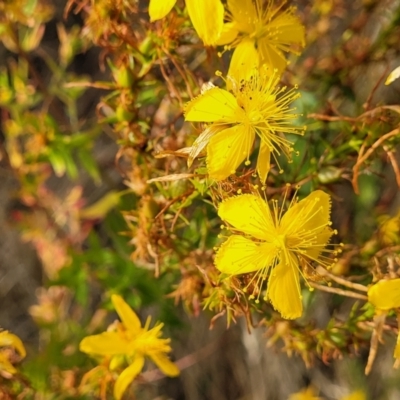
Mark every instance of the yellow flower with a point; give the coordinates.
(7, 340)
(275, 244)
(305, 394)
(207, 16)
(255, 107)
(260, 34)
(132, 341)
(309, 394)
(357, 395)
(385, 294)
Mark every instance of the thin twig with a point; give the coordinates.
(374, 89)
(182, 74)
(330, 118)
(379, 321)
(322, 271)
(172, 89)
(387, 250)
(370, 113)
(394, 163)
(338, 291)
(169, 204)
(364, 157)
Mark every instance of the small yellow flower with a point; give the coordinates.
(385, 294)
(309, 394)
(275, 244)
(129, 339)
(305, 394)
(207, 16)
(253, 107)
(260, 34)
(357, 395)
(8, 340)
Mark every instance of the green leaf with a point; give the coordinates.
(57, 162)
(101, 207)
(70, 164)
(90, 165)
(75, 277)
(29, 7)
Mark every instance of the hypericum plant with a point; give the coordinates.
(276, 245)
(158, 238)
(260, 32)
(128, 340)
(255, 107)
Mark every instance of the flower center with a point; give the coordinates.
(255, 116)
(280, 241)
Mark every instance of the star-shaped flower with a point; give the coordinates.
(261, 34)
(254, 107)
(275, 244)
(129, 339)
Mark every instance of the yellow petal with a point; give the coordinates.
(249, 214)
(310, 214)
(244, 14)
(127, 376)
(393, 76)
(271, 56)
(8, 339)
(319, 244)
(228, 34)
(357, 395)
(305, 394)
(239, 255)
(127, 315)
(385, 295)
(213, 105)
(106, 344)
(165, 364)
(263, 161)
(227, 150)
(207, 17)
(284, 288)
(5, 365)
(160, 8)
(245, 60)
(318, 210)
(289, 29)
